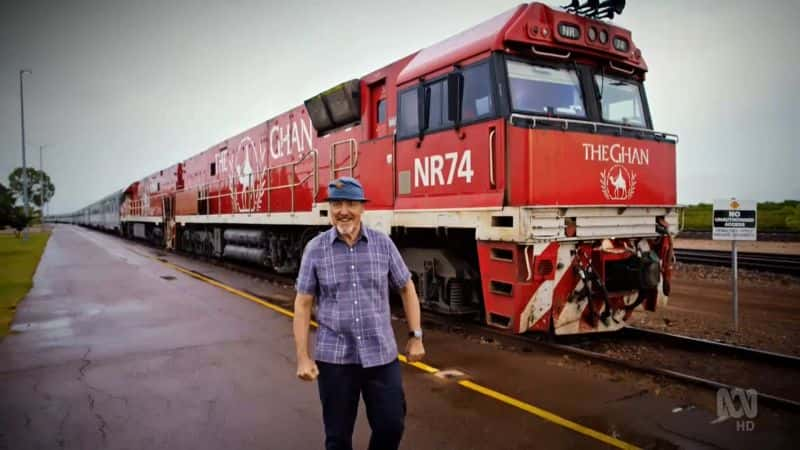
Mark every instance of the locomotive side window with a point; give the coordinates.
(621, 101)
(408, 122)
(545, 90)
(438, 106)
(477, 99)
(382, 111)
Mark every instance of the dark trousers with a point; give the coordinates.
(339, 388)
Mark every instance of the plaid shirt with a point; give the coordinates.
(351, 286)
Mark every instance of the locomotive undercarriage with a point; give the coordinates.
(146, 231)
(544, 270)
(279, 248)
(443, 262)
(444, 267)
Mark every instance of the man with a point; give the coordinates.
(349, 270)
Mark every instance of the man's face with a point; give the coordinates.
(346, 215)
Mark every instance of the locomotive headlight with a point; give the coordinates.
(603, 36)
(621, 44)
(592, 34)
(569, 31)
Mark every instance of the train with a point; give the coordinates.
(514, 164)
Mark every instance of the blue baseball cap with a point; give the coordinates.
(346, 188)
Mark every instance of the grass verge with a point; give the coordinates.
(18, 261)
(772, 216)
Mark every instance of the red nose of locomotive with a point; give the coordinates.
(578, 168)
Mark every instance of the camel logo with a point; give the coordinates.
(146, 203)
(248, 181)
(618, 183)
(147, 190)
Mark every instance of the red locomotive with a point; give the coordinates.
(515, 165)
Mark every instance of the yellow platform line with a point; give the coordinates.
(475, 387)
(546, 415)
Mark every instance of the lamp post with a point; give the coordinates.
(41, 183)
(24, 166)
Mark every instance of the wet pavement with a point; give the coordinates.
(113, 349)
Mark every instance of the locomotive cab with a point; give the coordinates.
(593, 181)
(535, 126)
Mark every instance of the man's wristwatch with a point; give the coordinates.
(415, 334)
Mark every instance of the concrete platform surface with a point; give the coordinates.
(113, 349)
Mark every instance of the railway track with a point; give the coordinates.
(704, 362)
(768, 262)
(713, 346)
(700, 362)
(776, 236)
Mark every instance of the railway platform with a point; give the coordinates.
(121, 346)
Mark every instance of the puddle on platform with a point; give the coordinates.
(625, 433)
(450, 374)
(49, 329)
(43, 325)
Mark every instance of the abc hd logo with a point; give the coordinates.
(737, 403)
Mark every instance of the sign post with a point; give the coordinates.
(734, 220)
(735, 287)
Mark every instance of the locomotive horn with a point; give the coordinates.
(595, 8)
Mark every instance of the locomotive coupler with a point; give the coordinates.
(585, 271)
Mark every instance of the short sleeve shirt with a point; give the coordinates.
(351, 285)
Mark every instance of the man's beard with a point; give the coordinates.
(346, 228)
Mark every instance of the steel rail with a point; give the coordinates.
(546, 343)
(769, 262)
(694, 343)
(774, 236)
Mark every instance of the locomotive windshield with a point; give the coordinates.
(546, 90)
(620, 100)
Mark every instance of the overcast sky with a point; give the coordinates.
(123, 88)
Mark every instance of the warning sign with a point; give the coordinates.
(734, 220)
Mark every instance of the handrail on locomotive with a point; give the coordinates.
(131, 207)
(595, 125)
(265, 174)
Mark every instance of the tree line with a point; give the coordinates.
(40, 191)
